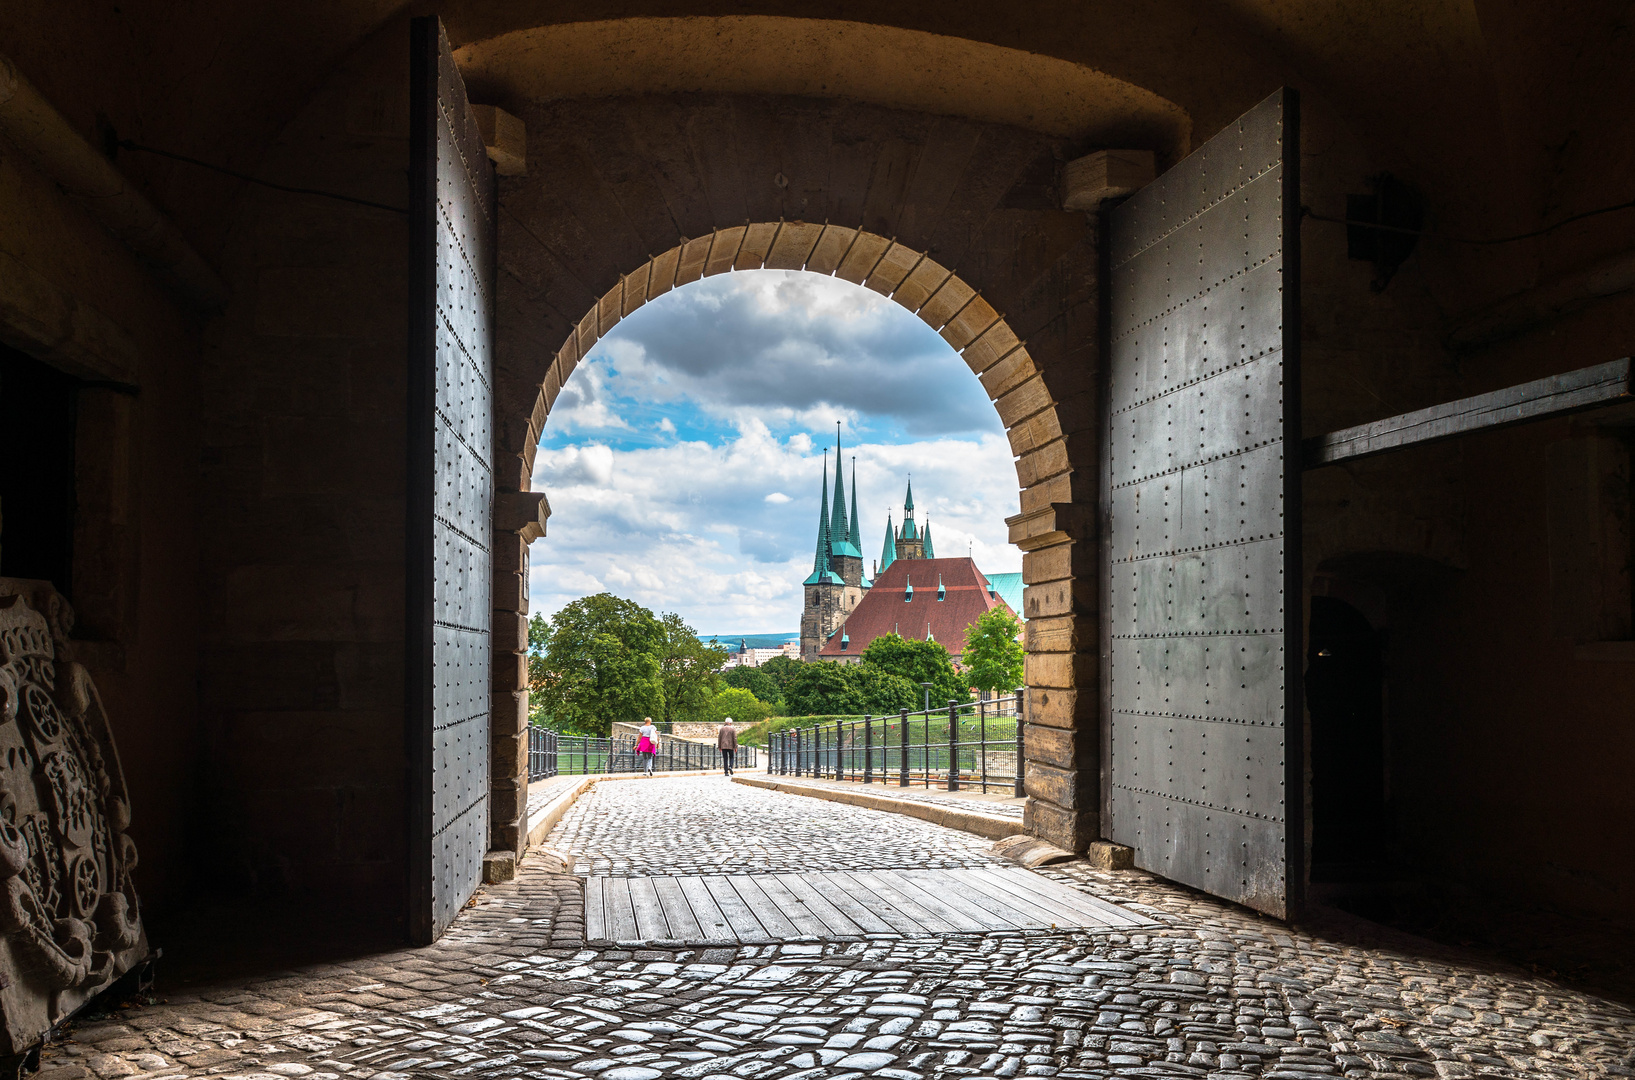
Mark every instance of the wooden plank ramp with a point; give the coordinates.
(731, 909)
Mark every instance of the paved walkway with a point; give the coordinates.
(709, 825)
(541, 792)
(978, 802)
(1208, 991)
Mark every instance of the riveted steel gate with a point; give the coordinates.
(450, 486)
(1203, 765)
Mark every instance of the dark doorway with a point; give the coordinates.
(1345, 692)
(37, 481)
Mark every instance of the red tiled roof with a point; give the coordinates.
(887, 608)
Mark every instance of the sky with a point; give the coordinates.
(684, 458)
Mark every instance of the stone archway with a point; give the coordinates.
(958, 221)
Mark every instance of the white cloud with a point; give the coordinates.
(667, 426)
(707, 530)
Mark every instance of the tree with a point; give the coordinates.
(919, 662)
(782, 671)
(993, 656)
(691, 670)
(539, 672)
(743, 706)
(822, 688)
(826, 688)
(603, 664)
(882, 691)
(757, 681)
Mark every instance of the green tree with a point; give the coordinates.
(757, 681)
(782, 671)
(826, 688)
(882, 691)
(822, 688)
(993, 657)
(691, 670)
(919, 662)
(603, 663)
(743, 706)
(539, 672)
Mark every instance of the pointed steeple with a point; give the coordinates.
(838, 532)
(928, 552)
(822, 567)
(908, 501)
(888, 554)
(857, 526)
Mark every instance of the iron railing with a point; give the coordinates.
(975, 746)
(543, 750)
(553, 754)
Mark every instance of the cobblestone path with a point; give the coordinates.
(991, 803)
(1209, 991)
(709, 825)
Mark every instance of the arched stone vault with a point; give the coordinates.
(958, 221)
(950, 306)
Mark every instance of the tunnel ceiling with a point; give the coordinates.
(1511, 109)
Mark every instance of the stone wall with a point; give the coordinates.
(302, 460)
(982, 253)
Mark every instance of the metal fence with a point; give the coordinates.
(553, 754)
(976, 746)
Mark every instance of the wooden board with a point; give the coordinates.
(834, 915)
(758, 908)
(595, 921)
(1587, 388)
(684, 924)
(847, 905)
(739, 916)
(650, 922)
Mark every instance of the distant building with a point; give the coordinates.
(920, 596)
(921, 600)
(744, 656)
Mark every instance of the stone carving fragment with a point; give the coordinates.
(70, 921)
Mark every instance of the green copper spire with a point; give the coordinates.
(857, 527)
(928, 552)
(840, 534)
(888, 554)
(908, 502)
(822, 568)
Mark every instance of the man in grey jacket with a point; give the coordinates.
(726, 740)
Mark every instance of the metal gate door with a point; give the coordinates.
(450, 486)
(1202, 749)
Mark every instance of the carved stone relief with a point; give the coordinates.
(70, 921)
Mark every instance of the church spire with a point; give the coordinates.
(838, 531)
(857, 526)
(822, 567)
(929, 554)
(908, 502)
(888, 554)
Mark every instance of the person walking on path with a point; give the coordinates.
(649, 744)
(726, 740)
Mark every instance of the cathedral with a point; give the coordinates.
(838, 592)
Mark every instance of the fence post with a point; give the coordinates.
(982, 737)
(797, 751)
(953, 745)
(902, 762)
(1021, 790)
(868, 749)
(840, 743)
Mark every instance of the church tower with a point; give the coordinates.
(911, 543)
(835, 585)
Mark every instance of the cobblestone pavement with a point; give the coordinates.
(1211, 991)
(974, 801)
(709, 825)
(541, 792)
